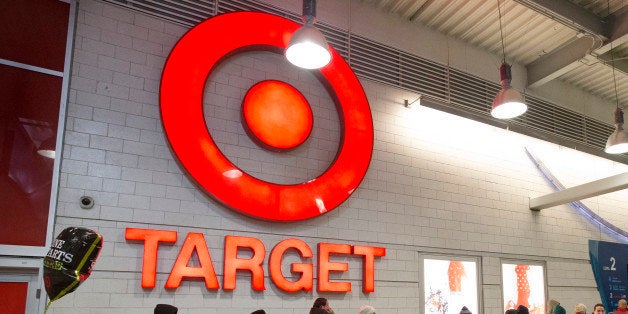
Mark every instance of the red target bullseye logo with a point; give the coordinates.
(181, 95)
(277, 115)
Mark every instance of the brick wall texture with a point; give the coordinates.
(437, 185)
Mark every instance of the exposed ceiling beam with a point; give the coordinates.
(559, 62)
(570, 15)
(619, 25)
(591, 189)
(582, 50)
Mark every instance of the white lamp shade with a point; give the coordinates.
(617, 143)
(308, 48)
(508, 104)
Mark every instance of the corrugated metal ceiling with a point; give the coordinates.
(528, 35)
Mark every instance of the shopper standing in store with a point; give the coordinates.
(321, 303)
(465, 310)
(599, 309)
(366, 309)
(580, 309)
(622, 307)
(558, 309)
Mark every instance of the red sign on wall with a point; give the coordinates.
(195, 244)
(189, 64)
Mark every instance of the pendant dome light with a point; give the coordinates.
(308, 48)
(508, 102)
(617, 143)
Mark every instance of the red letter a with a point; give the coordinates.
(193, 242)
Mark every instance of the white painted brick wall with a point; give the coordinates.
(437, 184)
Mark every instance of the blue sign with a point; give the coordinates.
(609, 262)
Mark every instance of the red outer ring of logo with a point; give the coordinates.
(181, 95)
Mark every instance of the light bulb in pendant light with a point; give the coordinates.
(617, 143)
(308, 48)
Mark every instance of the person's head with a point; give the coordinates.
(165, 309)
(550, 306)
(259, 312)
(580, 309)
(511, 311)
(599, 309)
(522, 310)
(320, 302)
(559, 310)
(465, 310)
(366, 309)
(622, 303)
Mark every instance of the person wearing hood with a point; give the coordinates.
(559, 310)
(465, 310)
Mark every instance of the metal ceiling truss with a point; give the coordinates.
(597, 37)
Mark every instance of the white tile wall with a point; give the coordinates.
(436, 184)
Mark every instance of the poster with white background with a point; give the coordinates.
(449, 285)
(523, 285)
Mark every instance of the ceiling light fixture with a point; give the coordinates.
(617, 143)
(308, 48)
(508, 102)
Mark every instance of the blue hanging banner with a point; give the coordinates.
(609, 262)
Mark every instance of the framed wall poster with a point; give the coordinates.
(448, 284)
(523, 284)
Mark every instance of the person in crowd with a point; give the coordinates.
(511, 311)
(321, 303)
(558, 309)
(622, 307)
(599, 309)
(259, 312)
(366, 309)
(522, 310)
(166, 309)
(580, 309)
(465, 310)
(550, 306)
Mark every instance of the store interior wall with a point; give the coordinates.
(437, 183)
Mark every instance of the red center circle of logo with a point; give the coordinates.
(181, 96)
(277, 115)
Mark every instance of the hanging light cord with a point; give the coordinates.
(614, 78)
(608, 8)
(501, 32)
